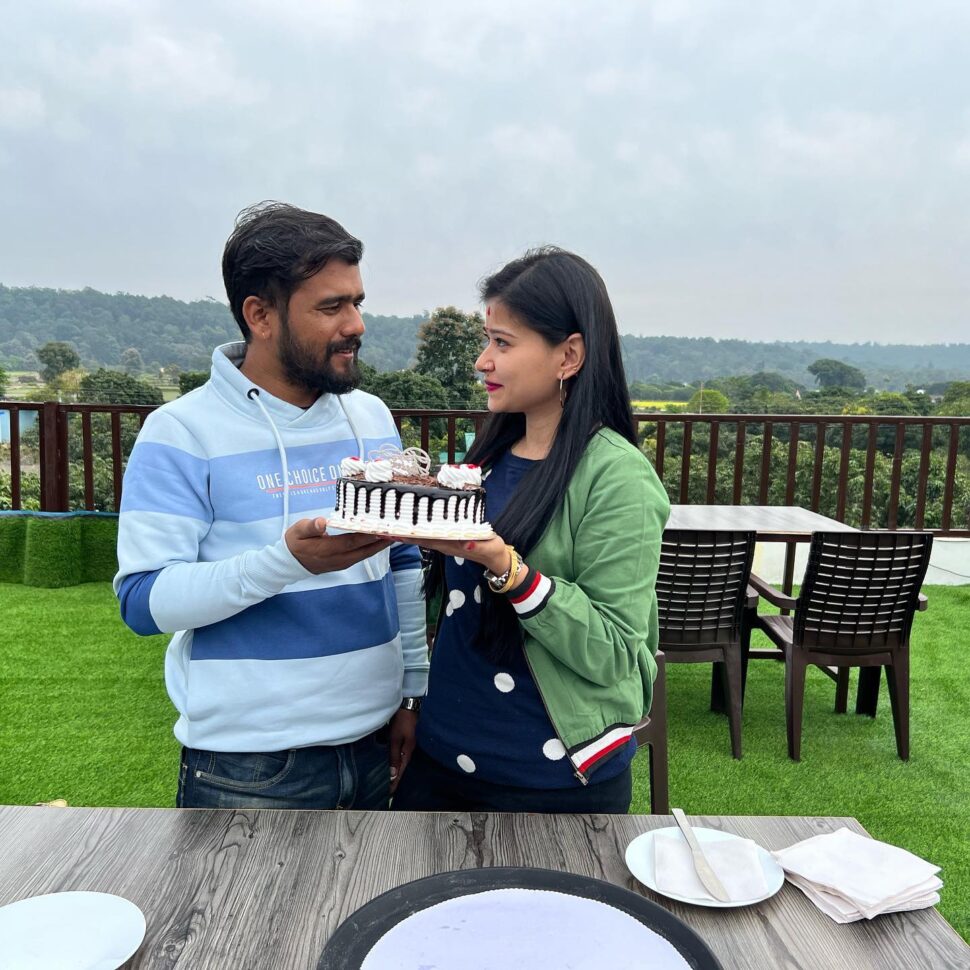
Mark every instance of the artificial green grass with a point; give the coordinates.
(85, 717)
(58, 551)
(13, 538)
(99, 544)
(83, 707)
(51, 555)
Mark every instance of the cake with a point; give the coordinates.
(394, 493)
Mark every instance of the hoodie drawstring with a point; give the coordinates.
(353, 429)
(253, 395)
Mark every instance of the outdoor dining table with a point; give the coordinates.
(259, 889)
(790, 524)
(772, 523)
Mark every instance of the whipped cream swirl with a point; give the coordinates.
(460, 476)
(378, 470)
(352, 467)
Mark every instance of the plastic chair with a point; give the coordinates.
(702, 595)
(855, 608)
(651, 732)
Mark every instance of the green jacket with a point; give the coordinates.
(590, 619)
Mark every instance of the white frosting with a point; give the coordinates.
(458, 476)
(352, 467)
(378, 470)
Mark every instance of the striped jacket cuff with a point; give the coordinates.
(533, 595)
(591, 753)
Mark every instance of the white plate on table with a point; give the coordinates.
(640, 861)
(69, 931)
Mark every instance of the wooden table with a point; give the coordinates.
(266, 889)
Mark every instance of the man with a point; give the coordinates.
(293, 648)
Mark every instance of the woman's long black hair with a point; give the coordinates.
(555, 293)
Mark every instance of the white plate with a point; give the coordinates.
(69, 931)
(640, 861)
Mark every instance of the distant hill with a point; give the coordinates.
(163, 330)
(167, 331)
(892, 366)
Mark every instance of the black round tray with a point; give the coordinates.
(358, 933)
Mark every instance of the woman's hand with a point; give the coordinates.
(490, 553)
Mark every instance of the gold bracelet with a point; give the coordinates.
(501, 584)
(513, 571)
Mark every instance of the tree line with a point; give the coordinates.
(443, 378)
(142, 334)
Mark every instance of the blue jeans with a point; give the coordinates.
(427, 786)
(354, 775)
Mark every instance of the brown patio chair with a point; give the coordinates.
(854, 609)
(702, 595)
(652, 732)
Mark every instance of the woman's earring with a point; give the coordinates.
(562, 393)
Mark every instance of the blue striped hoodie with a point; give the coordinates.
(266, 656)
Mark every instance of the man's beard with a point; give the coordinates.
(315, 372)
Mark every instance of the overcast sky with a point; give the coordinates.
(760, 168)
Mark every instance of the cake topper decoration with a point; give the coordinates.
(410, 461)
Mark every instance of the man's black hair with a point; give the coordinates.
(274, 247)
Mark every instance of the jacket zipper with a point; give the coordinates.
(583, 780)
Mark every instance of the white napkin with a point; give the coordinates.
(852, 877)
(735, 862)
(842, 911)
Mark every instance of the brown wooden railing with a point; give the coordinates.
(874, 471)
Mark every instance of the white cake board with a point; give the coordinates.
(413, 532)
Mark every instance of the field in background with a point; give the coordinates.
(28, 379)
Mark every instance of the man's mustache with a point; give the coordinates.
(347, 345)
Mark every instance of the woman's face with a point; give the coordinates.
(521, 369)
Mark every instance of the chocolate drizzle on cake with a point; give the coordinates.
(385, 500)
(394, 493)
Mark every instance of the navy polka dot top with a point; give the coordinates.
(486, 719)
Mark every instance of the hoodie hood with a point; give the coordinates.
(229, 382)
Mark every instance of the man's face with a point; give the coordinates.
(320, 331)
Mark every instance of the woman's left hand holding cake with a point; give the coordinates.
(492, 553)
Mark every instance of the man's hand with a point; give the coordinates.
(322, 553)
(403, 726)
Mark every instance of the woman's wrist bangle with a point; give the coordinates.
(513, 573)
(520, 577)
(503, 583)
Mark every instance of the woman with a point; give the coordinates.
(543, 664)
